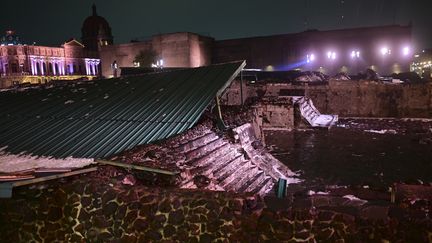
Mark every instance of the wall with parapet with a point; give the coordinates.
(350, 98)
(181, 49)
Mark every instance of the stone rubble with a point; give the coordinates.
(207, 158)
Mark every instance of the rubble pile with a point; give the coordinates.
(341, 76)
(235, 116)
(311, 77)
(209, 159)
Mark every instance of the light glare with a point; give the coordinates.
(385, 51)
(331, 55)
(406, 51)
(310, 58)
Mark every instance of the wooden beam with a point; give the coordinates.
(15, 177)
(6, 188)
(137, 167)
(53, 177)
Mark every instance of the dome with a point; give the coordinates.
(96, 30)
(10, 39)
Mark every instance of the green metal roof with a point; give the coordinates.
(102, 118)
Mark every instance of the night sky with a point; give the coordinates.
(53, 22)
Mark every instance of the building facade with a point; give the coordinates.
(40, 64)
(96, 32)
(21, 63)
(422, 64)
(181, 49)
(385, 49)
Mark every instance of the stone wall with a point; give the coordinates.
(282, 52)
(350, 98)
(88, 209)
(273, 114)
(181, 49)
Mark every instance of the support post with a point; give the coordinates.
(220, 122)
(241, 87)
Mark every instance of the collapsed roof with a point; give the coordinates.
(102, 118)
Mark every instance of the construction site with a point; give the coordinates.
(216, 154)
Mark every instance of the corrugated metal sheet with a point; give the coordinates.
(99, 119)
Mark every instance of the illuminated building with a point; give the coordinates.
(422, 63)
(21, 63)
(386, 49)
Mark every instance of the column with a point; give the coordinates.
(32, 66)
(93, 68)
(41, 63)
(97, 67)
(53, 63)
(63, 68)
(87, 67)
(36, 64)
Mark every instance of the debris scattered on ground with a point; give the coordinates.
(383, 131)
(10, 163)
(129, 180)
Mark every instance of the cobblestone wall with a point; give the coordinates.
(93, 210)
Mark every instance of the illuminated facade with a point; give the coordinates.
(422, 64)
(21, 63)
(39, 64)
(386, 49)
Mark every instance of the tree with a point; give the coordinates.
(145, 58)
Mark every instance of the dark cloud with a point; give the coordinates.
(52, 22)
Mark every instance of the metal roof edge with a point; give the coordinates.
(235, 74)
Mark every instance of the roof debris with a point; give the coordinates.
(123, 120)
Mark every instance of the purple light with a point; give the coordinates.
(385, 51)
(355, 54)
(406, 51)
(310, 58)
(331, 55)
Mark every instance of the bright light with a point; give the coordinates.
(355, 54)
(331, 55)
(159, 64)
(385, 51)
(310, 58)
(406, 51)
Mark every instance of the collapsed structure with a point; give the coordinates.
(102, 119)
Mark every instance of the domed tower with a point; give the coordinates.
(96, 32)
(10, 39)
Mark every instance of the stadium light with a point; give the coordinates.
(385, 51)
(406, 51)
(331, 55)
(355, 54)
(310, 58)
